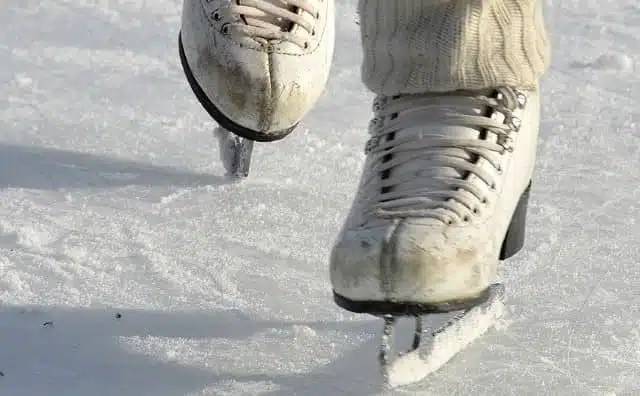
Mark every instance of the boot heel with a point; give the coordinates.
(514, 239)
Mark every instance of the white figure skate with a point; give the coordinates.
(442, 199)
(257, 66)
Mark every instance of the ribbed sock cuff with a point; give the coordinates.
(414, 46)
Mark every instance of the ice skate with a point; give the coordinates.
(443, 194)
(442, 199)
(257, 66)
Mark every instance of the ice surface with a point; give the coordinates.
(113, 200)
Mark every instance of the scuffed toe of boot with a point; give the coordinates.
(439, 264)
(355, 264)
(254, 86)
(410, 266)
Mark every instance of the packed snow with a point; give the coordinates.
(131, 266)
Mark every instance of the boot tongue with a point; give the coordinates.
(267, 19)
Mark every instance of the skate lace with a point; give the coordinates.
(274, 20)
(445, 196)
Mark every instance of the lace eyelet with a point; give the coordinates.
(515, 124)
(506, 149)
(466, 219)
(476, 211)
(306, 45)
(485, 200)
(216, 16)
(371, 144)
(379, 103)
(225, 28)
(375, 123)
(522, 98)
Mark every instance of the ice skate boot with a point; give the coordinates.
(442, 199)
(257, 66)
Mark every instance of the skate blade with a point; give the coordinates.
(235, 153)
(431, 351)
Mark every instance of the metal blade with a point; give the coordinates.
(235, 153)
(432, 349)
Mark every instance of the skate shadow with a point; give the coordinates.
(98, 352)
(48, 169)
(80, 351)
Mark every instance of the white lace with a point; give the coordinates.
(404, 195)
(271, 21)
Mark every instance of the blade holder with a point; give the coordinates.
(434, 345)
(384, 355)
(235, 153)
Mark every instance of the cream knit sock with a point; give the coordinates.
(414, 46)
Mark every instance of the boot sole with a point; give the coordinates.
(217, 115)
(512, 244)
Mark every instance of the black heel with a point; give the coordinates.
(514, 239)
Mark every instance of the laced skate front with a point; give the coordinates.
(444, 197)
(272, 19)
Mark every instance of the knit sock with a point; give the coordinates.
(415, 46)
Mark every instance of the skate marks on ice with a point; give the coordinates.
(80, 352)
(108, 351)
(614, 62)
(603, 38)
